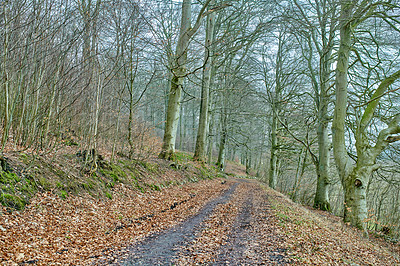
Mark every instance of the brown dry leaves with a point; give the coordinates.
(84, 230)
(215, 233)
(318, 238)
(241, 232)
(80, 230)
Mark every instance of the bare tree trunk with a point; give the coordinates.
(168, 148)
(5, 81)
(175, 91)
(275, 106)
(273, 172)
(355, 178)
(96, 123)
(321, 200)
(210, 137)
(130, 121)
(178, 73)
(338, 126)
(116, 127)
(181, 129)
(301, 167)
(222, 144)
(50, 111)
(199, 152)
(221, 152)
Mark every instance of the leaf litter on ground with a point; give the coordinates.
(81, 229)
(84, 230)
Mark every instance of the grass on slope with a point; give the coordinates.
(24, 175)
(318, 238)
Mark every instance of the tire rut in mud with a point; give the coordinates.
(249, 243)
(239, 237)
(162, 248)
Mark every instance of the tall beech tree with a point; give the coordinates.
(320, 36)
(200, 148)
(179, 71)
(355, 176)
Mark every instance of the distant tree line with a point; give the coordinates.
(304, 93)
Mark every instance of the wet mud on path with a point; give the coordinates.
(239, 238)
(237, 228)
(162, 248)
(253, 239)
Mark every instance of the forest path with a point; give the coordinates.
(232, 229)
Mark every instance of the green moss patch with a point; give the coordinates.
(12, 201)
(183, 157)
(62, 174)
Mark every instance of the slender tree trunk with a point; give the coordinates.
(32, 132)
(5, 81)
(248, 161)
(181, 129)
(274, 153)
(210, 137)
(116, 127)
(222, 144)
(321, 200)
(301, 167)
(275, 106)
(221, 152)
(130, 125)
(50, 111)
(96, 124)
(199, 152)
(131, 83)
(178, 70)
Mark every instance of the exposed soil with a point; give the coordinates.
(162, 248)
(210, 222)
(229, 230)
(241, 232)
(250, 242)
(84, 230)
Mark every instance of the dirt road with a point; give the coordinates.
(235, 229)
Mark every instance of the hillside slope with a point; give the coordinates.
(318, 237)
(227, 220)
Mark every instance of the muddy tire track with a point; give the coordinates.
(239, 238)
(253, 239)
(162, 248)
(240, 232)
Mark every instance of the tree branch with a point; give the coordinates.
(371, 107)
(386, 137)
(392, 139)
(214, 9)
(200, 16)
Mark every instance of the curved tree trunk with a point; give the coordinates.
(338, 125)
(354, 178)
(178, 70)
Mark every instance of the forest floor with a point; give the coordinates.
(208, 220)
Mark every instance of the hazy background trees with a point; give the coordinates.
(260, 75)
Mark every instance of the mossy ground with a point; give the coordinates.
(63, 175)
